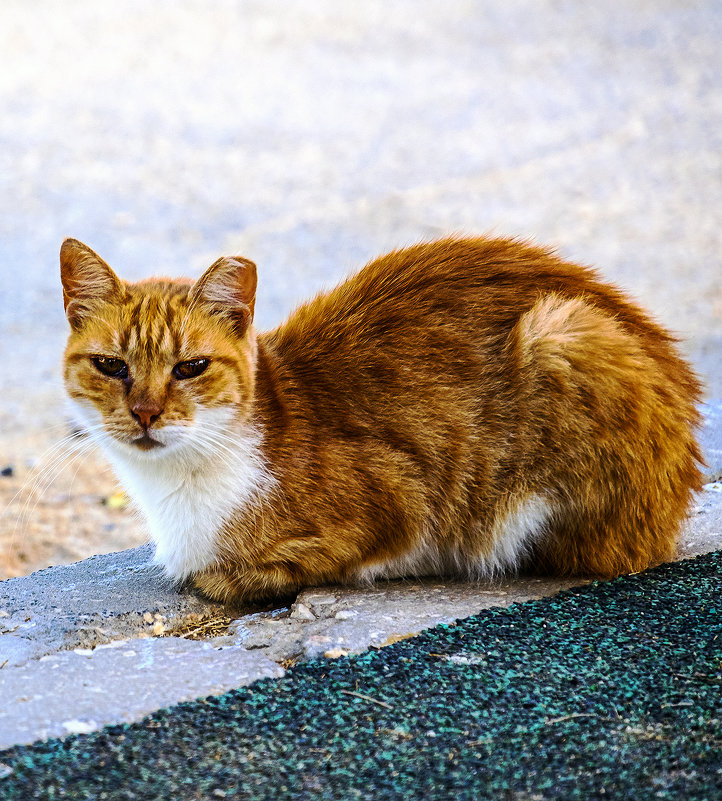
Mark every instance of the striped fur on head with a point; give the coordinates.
(151, 327)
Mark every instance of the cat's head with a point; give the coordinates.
(158, 365)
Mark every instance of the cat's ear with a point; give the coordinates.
(228, 288)
(87, 280)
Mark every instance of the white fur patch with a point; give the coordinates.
(425, 559)
(188, 489)
(512, 535)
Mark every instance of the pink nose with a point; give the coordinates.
(146, 413)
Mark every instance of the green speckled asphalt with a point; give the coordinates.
(613, 690)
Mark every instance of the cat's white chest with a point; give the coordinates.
(184, 515)
(186, 501)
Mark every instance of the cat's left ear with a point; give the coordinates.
(228, 288)
(87, 281)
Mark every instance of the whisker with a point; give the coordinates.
(209, 438)
(55, 454)
(41, 483)
(48, 473)
(204, 440)
(51, 466)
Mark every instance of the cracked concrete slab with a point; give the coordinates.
(333, 621)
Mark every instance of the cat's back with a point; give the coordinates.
(469, 286)
(417, 287)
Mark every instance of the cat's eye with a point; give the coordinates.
(110, 366)
(190, 369)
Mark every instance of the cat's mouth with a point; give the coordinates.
(147, 443)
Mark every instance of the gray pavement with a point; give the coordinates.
(311, 137)
(90, 644)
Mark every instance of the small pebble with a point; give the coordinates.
(80, 726)
(302, 612)
(118, 500)
(335, 653)
(8, 629)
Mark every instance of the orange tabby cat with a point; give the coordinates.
(469, 406)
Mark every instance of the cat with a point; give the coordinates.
(466, 407)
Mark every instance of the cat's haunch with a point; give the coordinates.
(463, 407)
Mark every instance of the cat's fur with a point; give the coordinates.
(468, 406)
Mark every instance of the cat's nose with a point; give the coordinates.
(146, 413)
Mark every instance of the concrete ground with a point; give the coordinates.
(311, 138)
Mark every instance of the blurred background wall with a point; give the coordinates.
(311, 136)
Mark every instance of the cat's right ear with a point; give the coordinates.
(228, 288)
(87, 280)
